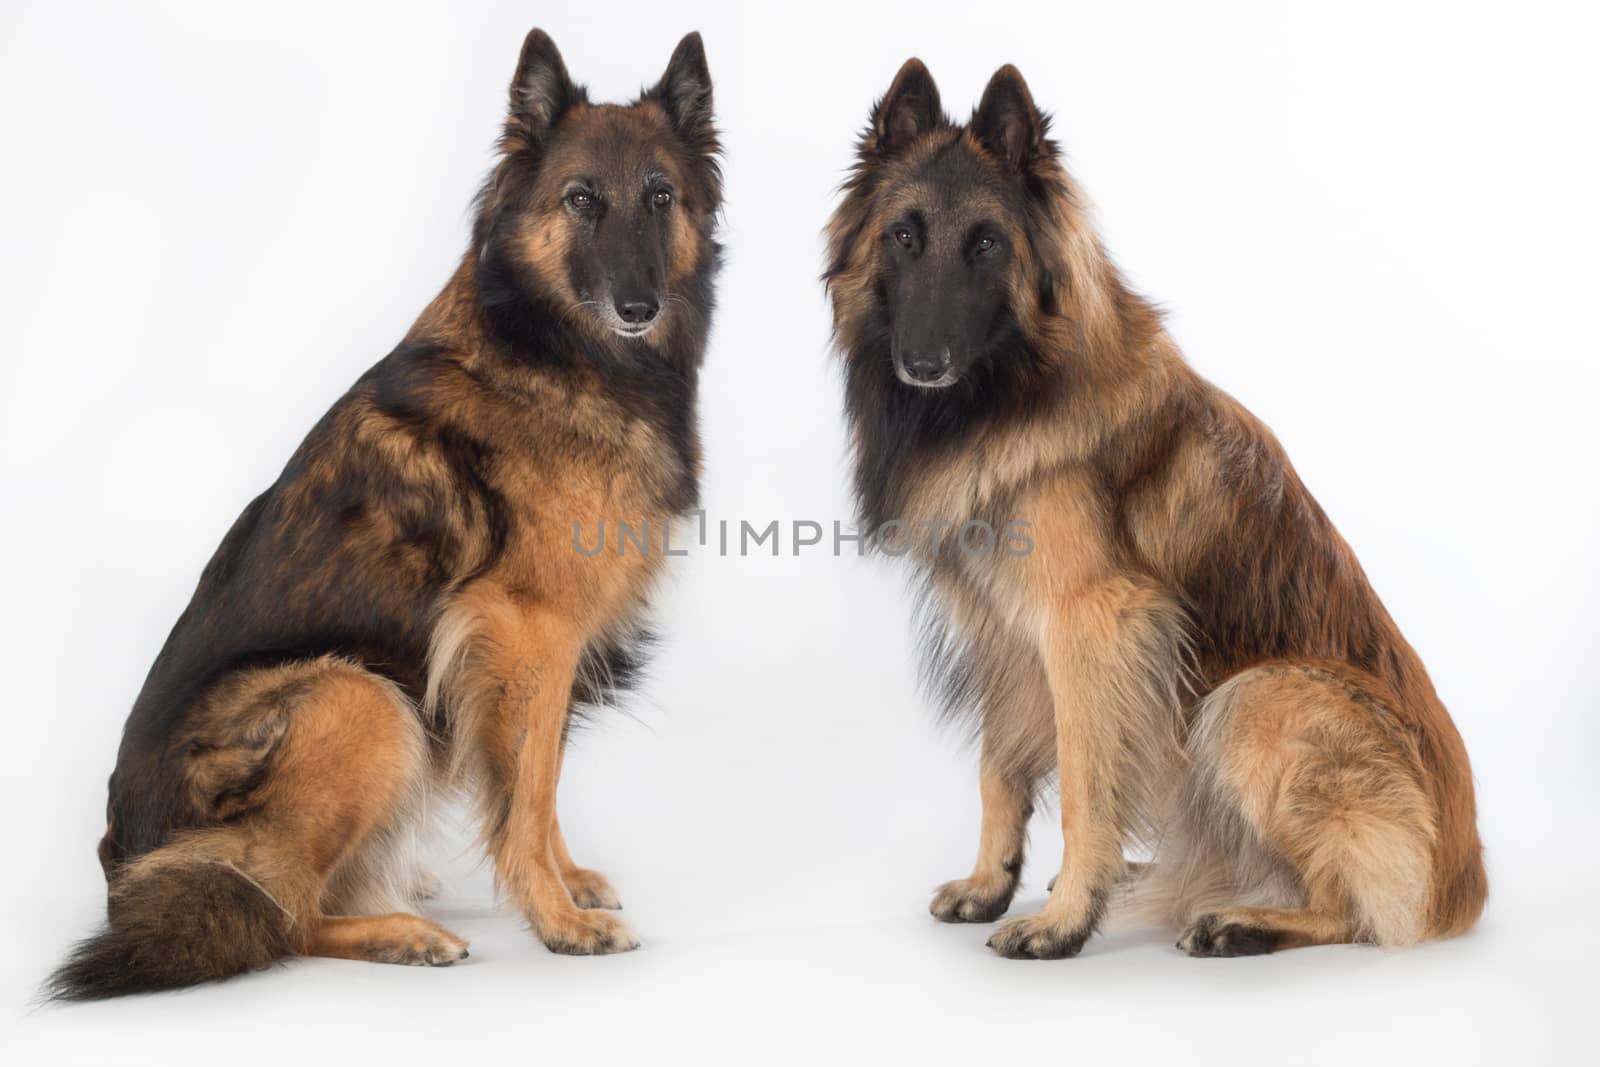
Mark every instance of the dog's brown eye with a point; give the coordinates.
(661, 198)
(985, 244)
(581, 200)
(903, 237)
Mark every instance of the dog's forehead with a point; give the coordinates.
(613, 143)
(948, 183)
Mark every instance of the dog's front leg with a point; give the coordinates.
(984, 895)
(534, 661)
(1113, 651)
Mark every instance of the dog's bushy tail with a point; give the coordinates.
(172, 924)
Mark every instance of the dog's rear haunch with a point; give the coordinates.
(402, 610)
(1190, 644)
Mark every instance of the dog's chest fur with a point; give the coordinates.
(581, 472)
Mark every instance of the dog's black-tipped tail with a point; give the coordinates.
(174, 924)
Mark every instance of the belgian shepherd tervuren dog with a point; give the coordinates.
(406, 603)
(1189, 643)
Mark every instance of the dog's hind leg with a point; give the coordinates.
(1253, 931)
(1307, 764)
(342, 790)
(291, 771)
(394, 938)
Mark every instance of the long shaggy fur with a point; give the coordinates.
(1189, 641)
(173, 926)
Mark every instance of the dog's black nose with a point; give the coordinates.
(637, 311)
(928, 366)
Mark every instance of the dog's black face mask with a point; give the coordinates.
(948, 258)
(951, 206)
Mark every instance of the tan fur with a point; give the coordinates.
(984, 894)
(1190, 644)
(396, 938)
(1302, 762)
(323, 834)
(510, 665)
(1114, 640)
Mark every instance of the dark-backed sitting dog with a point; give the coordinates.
(405, 608)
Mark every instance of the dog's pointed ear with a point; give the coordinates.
(685, 89)
(541, 89)
(1007, 122)
(909, 109)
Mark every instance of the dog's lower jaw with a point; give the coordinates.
(633, 335)
(942, 382)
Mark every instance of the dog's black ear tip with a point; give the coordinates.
(914, 73)
(1009, 79)
(538, 42)
(689, 58)
(690, 54)
(539, 52)
(540, 88)
(914, 81)
(910, 108)
(685, 87)
(1008, 121)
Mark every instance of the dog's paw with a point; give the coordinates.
(1034, 937)
(1211, 935)
(587, 932)
(971, 900)
(590, 889)
(426, 945)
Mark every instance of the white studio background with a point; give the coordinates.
(1375, 224)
